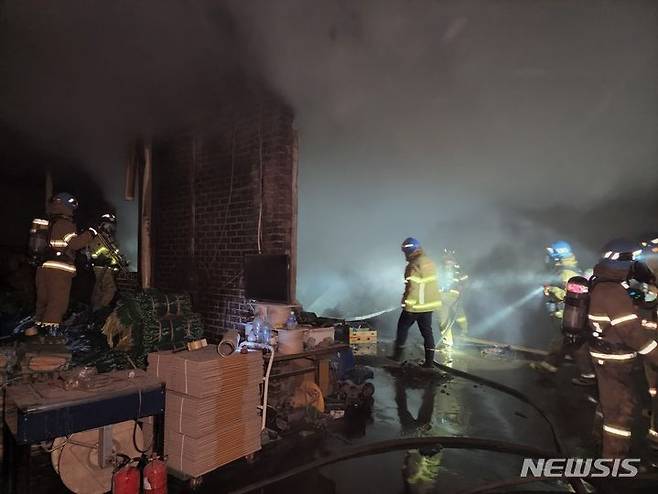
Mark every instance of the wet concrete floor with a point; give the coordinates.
(417, 404)
(412, 403)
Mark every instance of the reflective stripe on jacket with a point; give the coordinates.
(421, 289)
(615, 323)
(63, 243)
(100, 254)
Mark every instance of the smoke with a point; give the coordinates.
(491, 128)
(85, 78)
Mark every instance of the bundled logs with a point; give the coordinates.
(212, 414)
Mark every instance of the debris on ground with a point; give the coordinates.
(497, 352)
(414, 373)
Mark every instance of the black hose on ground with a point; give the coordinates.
(443, 441)
(507, 390)
(403, 443)
(577, 484)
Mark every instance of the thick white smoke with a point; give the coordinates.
(487, 127)
(491, 128)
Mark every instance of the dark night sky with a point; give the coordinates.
(487, 126)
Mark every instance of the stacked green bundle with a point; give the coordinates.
(165, 334)
(164, 306)
(158, 321)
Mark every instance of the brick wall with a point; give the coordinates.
(208, 188)
(127, 282)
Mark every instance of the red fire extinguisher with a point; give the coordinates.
(155, 477)
(125, 479)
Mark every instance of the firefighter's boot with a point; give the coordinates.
(429, 358)
(398, 352)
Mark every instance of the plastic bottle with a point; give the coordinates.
(254, 335)
(265, 333)
(291, 322)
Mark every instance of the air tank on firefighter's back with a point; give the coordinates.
(576, 306)
(38, 240)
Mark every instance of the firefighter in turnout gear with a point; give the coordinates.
(648, 306)
(106, 260)
(618, 340)
(55, 273)
(420, 299)
(451, 284)
(562, 265)
(647, 313)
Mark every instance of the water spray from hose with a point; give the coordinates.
(501, 315)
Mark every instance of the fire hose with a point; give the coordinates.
(444, 441)
(410, 443)
(374, 314)
(576, 483)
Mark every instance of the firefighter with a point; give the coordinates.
(105, 258)
(648, 305)
(420, 299)
(618, 341)
(54, 274)
(563, 265)
(649, 321)
(451, 285)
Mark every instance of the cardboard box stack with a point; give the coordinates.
(212, 415)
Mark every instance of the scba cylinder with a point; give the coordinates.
(576, 306)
